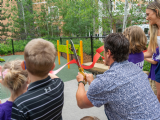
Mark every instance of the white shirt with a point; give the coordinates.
(158, 42)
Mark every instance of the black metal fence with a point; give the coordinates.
(91, 38)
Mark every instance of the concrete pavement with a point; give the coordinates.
(71, 111)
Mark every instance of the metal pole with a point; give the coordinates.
(92, 47)
(61, 43)
(12, 47)
(60, 40)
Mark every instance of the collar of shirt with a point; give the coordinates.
(117, 63)
(39, 83)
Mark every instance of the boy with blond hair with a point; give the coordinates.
(44, 97)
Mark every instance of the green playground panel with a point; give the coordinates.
(63, 48)
(2, 60)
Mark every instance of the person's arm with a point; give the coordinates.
(81, 95)
(149, 52)
(53, 76)
(150, 60)
(158, 90)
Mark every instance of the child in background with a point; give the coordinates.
(154, 64)
(15, 79)
(44, 97)
(138, 42)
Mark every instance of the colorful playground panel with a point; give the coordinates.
(63, 48)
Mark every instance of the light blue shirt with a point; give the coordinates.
(125, 92)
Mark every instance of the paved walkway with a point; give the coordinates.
(71, 111)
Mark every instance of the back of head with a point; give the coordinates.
(89, 118)
(154, 28)
(40, 56)
(13, 77)
(137, 39)
(118, 44)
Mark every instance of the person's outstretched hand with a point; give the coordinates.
(89, 78)
(0, 101)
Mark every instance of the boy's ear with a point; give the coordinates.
(53, 66)
(23, 65)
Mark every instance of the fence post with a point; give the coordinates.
(61, 43)
(12, 47)
(92, 47)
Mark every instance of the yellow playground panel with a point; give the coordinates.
(67, 49)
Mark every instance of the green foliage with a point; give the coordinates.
(78, 16)
(30, 23)
(5, 48)
(3, 17)
(146, 66)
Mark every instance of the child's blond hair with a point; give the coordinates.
(39, 55)
(15, 77)
(137, 39)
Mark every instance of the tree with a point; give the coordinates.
(125, 15)
(3, 17)
(47, 20)
(78, 16)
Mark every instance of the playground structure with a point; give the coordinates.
(2, 60)
(68, 50)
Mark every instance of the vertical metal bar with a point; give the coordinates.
(92, 47)
(67, 53)
(61, 43)
(59, 61)
(12, 47)
(61, 40)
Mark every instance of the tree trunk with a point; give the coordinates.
(125, 15)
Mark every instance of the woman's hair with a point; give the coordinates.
(154, 28)
(137, 39)
(13, 76)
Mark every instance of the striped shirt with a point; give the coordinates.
(42, 101)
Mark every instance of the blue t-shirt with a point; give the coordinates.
(6, 110)
(153, 66)
(137, 58)
(125, 92)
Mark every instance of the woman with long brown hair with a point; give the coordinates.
(153, 16)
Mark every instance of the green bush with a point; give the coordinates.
(146, 66)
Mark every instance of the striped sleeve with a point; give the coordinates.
(16, 113)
